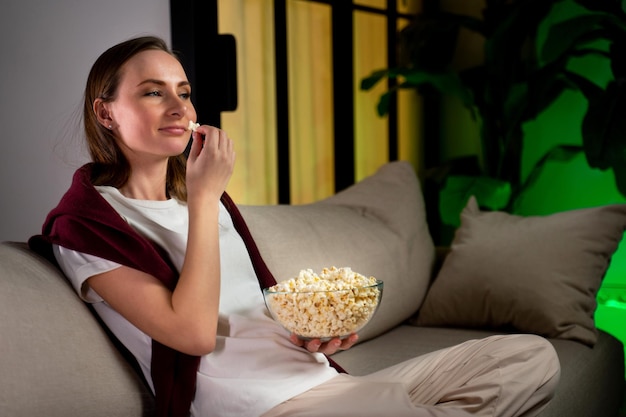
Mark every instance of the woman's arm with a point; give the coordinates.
(185, 319)
(145, 302)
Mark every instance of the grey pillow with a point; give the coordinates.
(377, 227)
(535, 274)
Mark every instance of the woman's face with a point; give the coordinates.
(152, 108)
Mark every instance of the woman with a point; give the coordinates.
(153, 242)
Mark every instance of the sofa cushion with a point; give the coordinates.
(592, 379)
(57, 361)
(535, 274)
(377, 227)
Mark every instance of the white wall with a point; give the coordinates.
(46, 50)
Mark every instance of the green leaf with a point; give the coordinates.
(507, 53)
(613, 7)
(383, 103)
(490, 193)
(373, 79)
(565, 35)
(526, 100)
(446, 82)
(604, 126)
(515, 103)
(558, 153)
(568, 35)
(588, 88)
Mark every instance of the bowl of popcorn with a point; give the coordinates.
(335, 303)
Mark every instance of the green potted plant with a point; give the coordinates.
(521, 75)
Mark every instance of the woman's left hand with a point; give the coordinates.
(327, 348)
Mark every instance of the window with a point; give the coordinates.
(303, 128)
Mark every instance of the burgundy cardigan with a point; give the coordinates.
(84, 221)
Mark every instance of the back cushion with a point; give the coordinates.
(376, 227)
(56, 359)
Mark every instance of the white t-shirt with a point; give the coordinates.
(254, 366)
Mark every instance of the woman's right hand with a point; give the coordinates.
(196, 297)
(210, 163)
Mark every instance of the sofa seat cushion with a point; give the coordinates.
(57, 361)
(592, 379)
(377, 227)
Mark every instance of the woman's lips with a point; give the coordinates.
(174, 130)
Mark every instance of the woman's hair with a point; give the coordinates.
(110, 165)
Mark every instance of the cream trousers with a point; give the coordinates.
(498, 376)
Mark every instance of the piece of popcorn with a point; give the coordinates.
(193, 126)
(304, 306)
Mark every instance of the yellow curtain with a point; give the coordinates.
(253, 125)
(370, 53)
(310, 101)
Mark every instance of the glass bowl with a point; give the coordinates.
(324, 315)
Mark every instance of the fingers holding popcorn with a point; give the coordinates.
(210, 162)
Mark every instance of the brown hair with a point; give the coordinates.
(110, 165)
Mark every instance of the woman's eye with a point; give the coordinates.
(185, 96)
(154, 93)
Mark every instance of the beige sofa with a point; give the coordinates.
(58, 361)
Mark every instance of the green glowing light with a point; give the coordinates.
(615, 304)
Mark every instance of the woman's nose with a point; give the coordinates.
(178, 107)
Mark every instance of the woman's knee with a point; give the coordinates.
(535, 352)
(544, 352)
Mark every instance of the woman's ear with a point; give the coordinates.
(101, 110)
